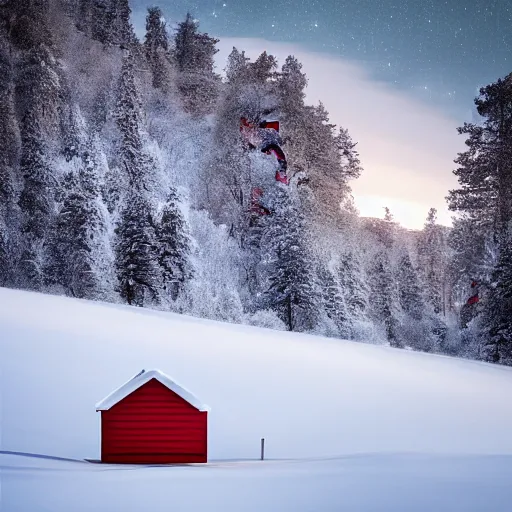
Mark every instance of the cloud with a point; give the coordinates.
(407, 149)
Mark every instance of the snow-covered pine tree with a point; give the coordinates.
(136, 262)
(156, 48)
(9, 149)
(37, 97)
(420, 327)
(334, 302)
(384, 298)
(124, 30)
(326, 156)
(409, 289)
(70, 255)
(292, 291)
(354, 286)
(137, 166)
(485, 176)
(106, 21)
(173, 247)
(291, 83)
(485, 169)
(237, 67)
(79, 252)
(27, 24)
(194, 53)
(97, 19)
(262, 69)
(137, 250)
(496, 335)
(432, 261)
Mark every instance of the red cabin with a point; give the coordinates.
(152, 420)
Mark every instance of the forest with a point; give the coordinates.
(123, 178)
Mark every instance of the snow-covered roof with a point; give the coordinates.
(139, 380)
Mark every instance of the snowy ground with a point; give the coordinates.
(348, 426)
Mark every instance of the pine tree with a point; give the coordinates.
(107, 21)
(292, 83)
(354, 286)
(78, 246)
(37, 97)
(326, 155)
(484, 198)
(291, 292)
(70, 253)
(410, 293)
(156, 48)
(194, 53)
(125, 34)
(496, 335)
(137, 166)
(27, 24)
(237, 67)
(262, 69)
(384, 298)
(136, 262)
(485, 169)
(334, 302)
(432, 249)
(36, 201)
(9, 148)
(173, 247)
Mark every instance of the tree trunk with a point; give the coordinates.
(289, 313)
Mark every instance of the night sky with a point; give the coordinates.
(441, 51)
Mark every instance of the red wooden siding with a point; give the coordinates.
(153, 425)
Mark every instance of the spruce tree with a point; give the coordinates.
(38, 100)
(78, 246)
(36, 201)
(484, 198)
(194, 53)
(384, 298)
(485, 169)
(354, 286)
(125, 35)
(9, 149)
(496, 335)
(136, 164)
(292, 83)
(156, 48)
(292, 292)
(103, 21)
(334, 302)
(137, 267)
(173, 247)
(107, 21)
(262, 69)
(432, 248)
(410, 293)
(70, 261)
(325, 154)
(237, 67)
(136, 262)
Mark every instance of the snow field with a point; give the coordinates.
(348, 426)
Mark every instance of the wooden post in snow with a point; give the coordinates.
(262, 448)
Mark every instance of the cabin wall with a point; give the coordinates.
(153, 425)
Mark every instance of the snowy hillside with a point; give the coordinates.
(420, 431)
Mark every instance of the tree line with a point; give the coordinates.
(123, 178)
